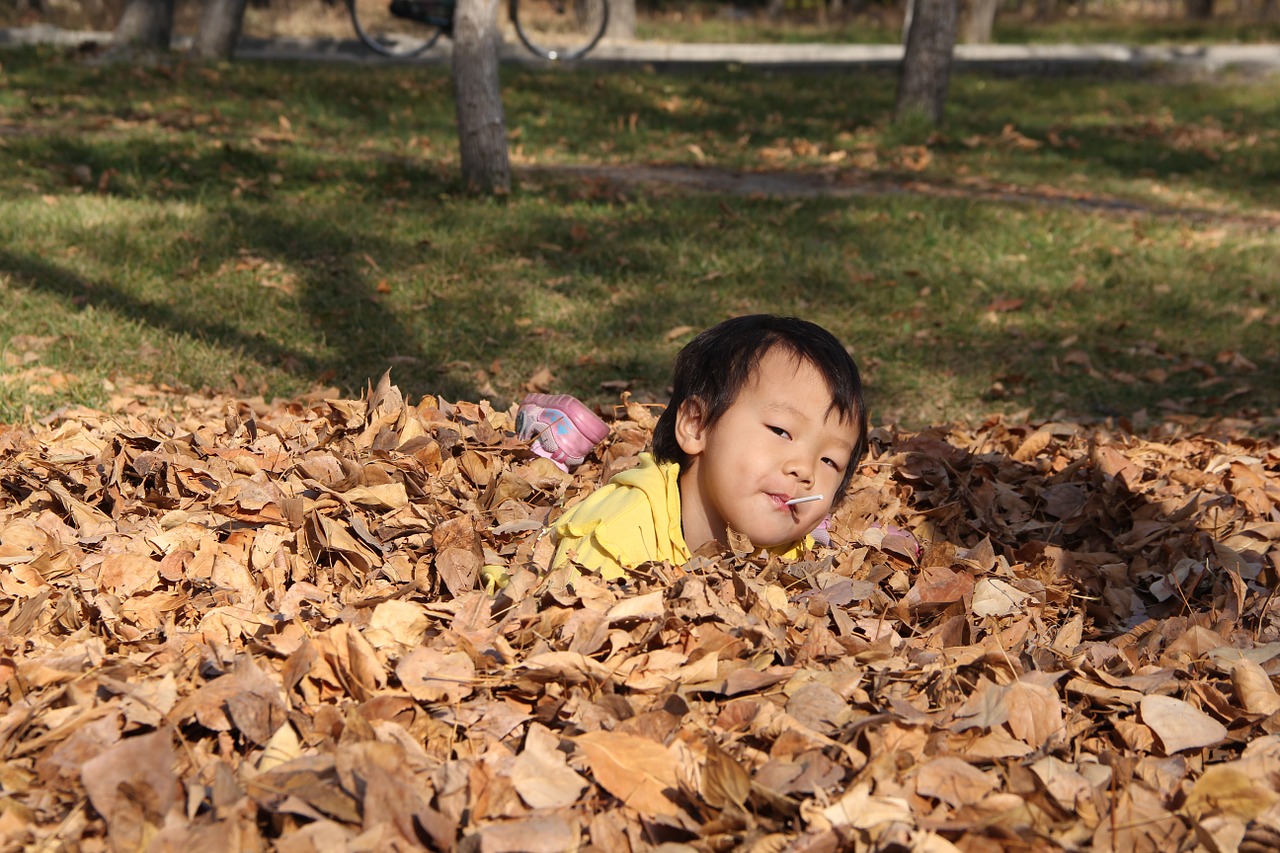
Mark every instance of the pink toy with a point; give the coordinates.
(559, 427)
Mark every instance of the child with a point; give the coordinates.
(764, 410)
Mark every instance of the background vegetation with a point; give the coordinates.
(1080, 246)
(847, 21)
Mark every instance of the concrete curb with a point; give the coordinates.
(1060, 58)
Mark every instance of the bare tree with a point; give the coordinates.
(145, 25)
(220, 22)
(482, 128)
(926, 64)
(980, 20)
(622, 20)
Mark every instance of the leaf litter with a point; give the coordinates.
(328, 624)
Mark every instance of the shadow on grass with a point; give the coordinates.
(159, 169)
(276, 203)
(1120, 339)
(336, 302)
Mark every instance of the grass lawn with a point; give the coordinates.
(270, 228)
(883, 25)
(1110, 21)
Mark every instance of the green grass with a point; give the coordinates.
(1172, 30)
(1009, 29)
(1104, 23)
(268, 228)
(1113, 21)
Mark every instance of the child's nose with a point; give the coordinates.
(801, 468)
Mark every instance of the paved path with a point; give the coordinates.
(847, 184)
(1253, 58)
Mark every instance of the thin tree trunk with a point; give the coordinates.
(1200, 10)
(622, 20)
(145, 24)
(926, 63)
(220, 22)
(980, 21)
(482, 128)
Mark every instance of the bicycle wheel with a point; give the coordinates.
(392, 35)
(560, 29)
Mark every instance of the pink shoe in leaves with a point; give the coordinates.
(559, 427)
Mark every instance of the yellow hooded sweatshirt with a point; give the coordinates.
(631, 520)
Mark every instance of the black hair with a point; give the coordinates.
(715, 366)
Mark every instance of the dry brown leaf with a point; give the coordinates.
(1253, 688)
(1178, 725)
(994, 597)
(724, 781)
(859, 808)
(638, 771)
(133, 784)
(434, 676)
(1035, 713)
(292, 587)
(1227, 790)
(545, 834)
(953, 781)
(542, 775)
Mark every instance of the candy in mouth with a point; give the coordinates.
(803, 500)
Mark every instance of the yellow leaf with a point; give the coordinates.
(1224, 789)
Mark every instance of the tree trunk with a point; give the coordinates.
(1200, 10)
(220, 22)
(926, 63)
(980, 21)
(622, 20)
(482, 129)
(145, 24)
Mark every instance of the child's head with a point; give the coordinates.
(759, 393)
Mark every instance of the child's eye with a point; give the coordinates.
(780, 431)
(833, 463)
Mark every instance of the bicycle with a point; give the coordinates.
(552, 29)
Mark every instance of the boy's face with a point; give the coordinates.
(779, 440)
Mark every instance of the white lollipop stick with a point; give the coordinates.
(804, 500)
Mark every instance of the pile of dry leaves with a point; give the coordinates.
(327, 625)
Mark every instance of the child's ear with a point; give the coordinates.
(691, 428)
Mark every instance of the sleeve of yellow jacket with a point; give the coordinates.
(631, 520)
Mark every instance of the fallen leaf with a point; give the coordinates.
(1254, 689)
(1178, 725)
(994, 597)
(638, 771)
(431, 675)
(953, 781)
(542, 775)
